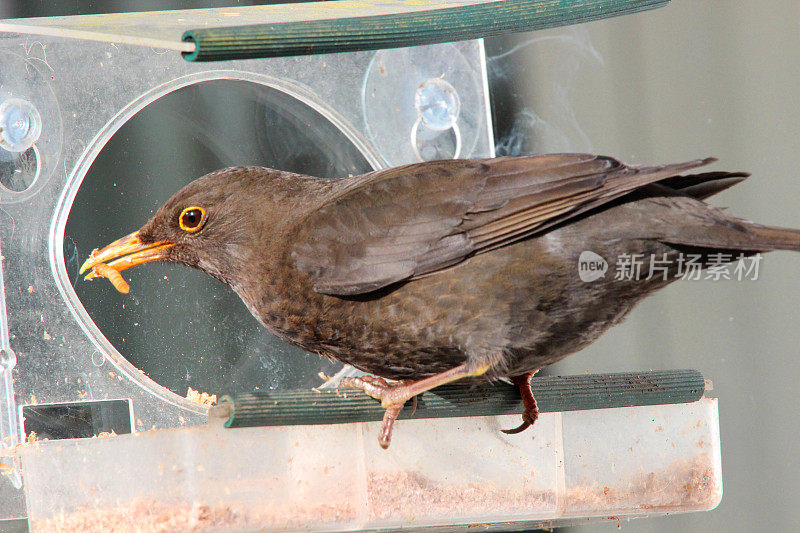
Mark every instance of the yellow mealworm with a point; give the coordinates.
(116, 279)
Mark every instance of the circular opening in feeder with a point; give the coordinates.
(179, 326)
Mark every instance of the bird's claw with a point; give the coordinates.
(528, 419)
(392, 396)
(371, 385)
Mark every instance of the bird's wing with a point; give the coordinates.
(405, 222)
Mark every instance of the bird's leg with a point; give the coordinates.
(531, 412)
(394, 396)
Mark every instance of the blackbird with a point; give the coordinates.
(446, 270)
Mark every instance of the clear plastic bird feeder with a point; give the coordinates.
(98, 116)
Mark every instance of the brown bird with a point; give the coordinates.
(446, 270)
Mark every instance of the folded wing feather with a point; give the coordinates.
(405, 222)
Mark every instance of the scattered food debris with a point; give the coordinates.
(202, 398)
(396, 495)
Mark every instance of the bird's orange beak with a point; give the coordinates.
(124, 253)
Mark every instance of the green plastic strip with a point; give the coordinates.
(400, 29)
(567, 393)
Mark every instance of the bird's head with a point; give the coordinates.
(213, 224)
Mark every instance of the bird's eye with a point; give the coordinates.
(192, 218)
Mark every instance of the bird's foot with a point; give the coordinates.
(391, 395)
(371, 385)
(531, 413)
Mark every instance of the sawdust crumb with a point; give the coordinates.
(203, 398)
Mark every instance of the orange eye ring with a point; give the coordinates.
(192, 219)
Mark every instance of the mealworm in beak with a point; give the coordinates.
(116, 279)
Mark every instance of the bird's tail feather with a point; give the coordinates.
(774, 238)
(739, 235)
